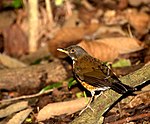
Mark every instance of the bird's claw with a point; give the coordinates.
(88, 106)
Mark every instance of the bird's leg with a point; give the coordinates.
(89, 102)
(99, 94)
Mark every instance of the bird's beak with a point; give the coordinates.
(63, 50)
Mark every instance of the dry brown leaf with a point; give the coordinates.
(105, 31)
(16, 42)
(56, 109)
(99, 50)
(87, 15)
(73, 20)
(139, 99)
(146, 88)
(112, 17)
(69, 36)
(140, 21)
(123, 4)
(7, 18)
(123, 44)
(13, 108)
(138, 2)
(20, 117)
(11, 62)
(109, 49)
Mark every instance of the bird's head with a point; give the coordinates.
(74, 51)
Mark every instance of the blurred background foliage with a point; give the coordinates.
(11, 4)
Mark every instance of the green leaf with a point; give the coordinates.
(79, 94)
(17, 3)
(55, 85)
(13, 3)
(82, 94)
(122, 63)
(28, 120)
(71, 82)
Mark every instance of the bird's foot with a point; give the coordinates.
(101, 93)
(88, 106)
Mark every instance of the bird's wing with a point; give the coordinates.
(95, 78)
(98, 79)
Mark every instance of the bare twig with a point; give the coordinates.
(26, 96)
(49, 11)
(68, 8)
(129, 30)
(33, 25)
(87, 5)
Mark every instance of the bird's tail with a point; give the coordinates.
(122, 88)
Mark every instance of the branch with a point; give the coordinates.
(26, 96)
(30, 79)
(103, 102)
(49, 11)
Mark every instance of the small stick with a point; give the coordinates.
(26, 96)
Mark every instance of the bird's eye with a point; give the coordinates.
(72, 51)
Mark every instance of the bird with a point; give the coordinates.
(93, 74)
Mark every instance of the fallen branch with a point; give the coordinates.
(30, 79)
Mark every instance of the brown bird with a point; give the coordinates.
(93, 74)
